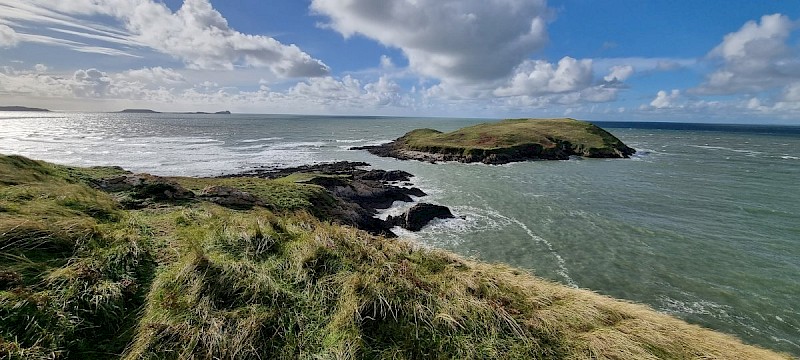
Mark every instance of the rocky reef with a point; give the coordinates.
(506, 141)
(357, 193)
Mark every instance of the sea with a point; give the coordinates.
(702, 223)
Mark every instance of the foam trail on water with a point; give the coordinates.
(562, 265)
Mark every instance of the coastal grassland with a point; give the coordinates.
(80, 277)
(74, 267)
(281, 194)
(582, 137)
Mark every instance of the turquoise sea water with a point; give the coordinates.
(703, 223)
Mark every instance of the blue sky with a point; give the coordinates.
(704, 61)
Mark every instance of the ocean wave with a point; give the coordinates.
(261, 139)
(377, 142)
(297, 145)
(467, 220)
(472, 220)
(700, 307)
(348, 141)
(746, 152)
(562, 264)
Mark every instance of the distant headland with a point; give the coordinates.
(506, 141)
(149, 111)
(22, 108)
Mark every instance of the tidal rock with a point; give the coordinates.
(419, 215)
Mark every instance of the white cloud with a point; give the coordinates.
(599, 93)
(665, 100)
(754, 58)
(619, 73)
(40, 68)
(386, 62)
(451, 40)
(755, 104)
(155, 75)
(197, 34)
(791, 93)
(8, 37)
(765, 40)
(537, 84)
(538, 77)
(347, 92)
(90, 83)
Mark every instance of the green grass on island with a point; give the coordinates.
(521, 138)
(82, 277)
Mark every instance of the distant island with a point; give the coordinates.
(140, 111)
(22, 108)
(506, 141)
(149, 111)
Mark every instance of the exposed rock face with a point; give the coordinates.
(146, 186)
(231, 197)
(419, 215)
(358, 193)
(563, 151)
(354, 195)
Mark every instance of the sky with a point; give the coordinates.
(729, 61)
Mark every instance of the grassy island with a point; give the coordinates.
(507, 141)
(164, 273)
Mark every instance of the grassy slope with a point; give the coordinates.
(513, 133)
(86, 279)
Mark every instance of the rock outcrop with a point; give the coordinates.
(358, 193)
(231, 197)
(140, 189)
(419, 215)
(352, 195)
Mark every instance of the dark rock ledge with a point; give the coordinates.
(359, 194)
(354, 194)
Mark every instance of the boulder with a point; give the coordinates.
(419, 215)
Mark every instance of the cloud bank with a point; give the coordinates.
(461, 41)
(196, 34)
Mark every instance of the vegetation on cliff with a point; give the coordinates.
(507, 141)
(83, 277)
